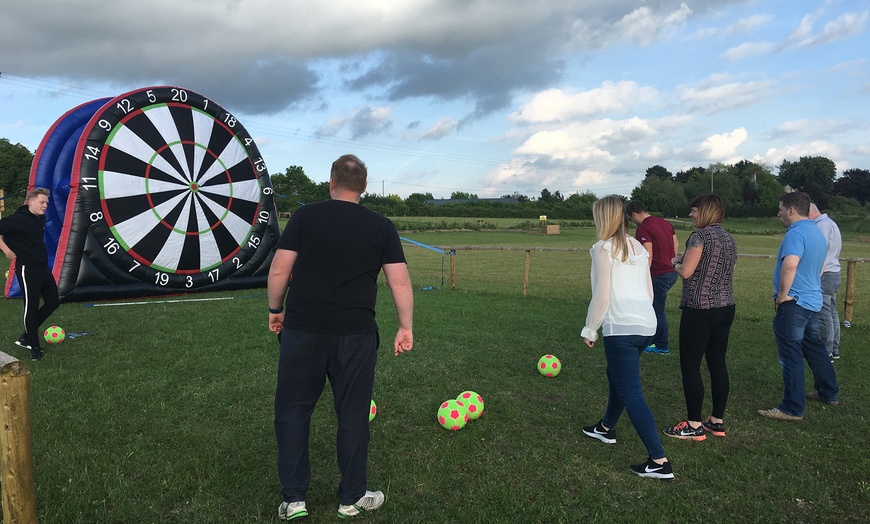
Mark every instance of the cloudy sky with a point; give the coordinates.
(483, 96)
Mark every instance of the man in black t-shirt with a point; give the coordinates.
(326, 264)
(22, 240)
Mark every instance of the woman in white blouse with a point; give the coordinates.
(621, 306)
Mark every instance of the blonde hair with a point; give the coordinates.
(611, 222)
(710, 210)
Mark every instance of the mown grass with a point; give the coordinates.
(163, 413)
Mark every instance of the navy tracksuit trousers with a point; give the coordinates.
(306, 361)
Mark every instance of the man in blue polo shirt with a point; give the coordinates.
(797, 295)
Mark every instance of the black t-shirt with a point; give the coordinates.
(24, 233)
(340, 248)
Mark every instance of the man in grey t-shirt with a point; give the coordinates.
(829, 320)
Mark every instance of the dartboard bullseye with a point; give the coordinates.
(175, 190)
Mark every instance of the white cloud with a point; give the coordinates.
(441, 129)
(643, 26)
(749, 49)
(844, 26)
(721, 147)
(742, 25)
(795, 127)
(529, 175)
(362, 122)
(792, 152)
(554, 105)
(719, 93)
(587, 142)
(656, 152)
(850, 67)
(805, 27)
(805, 127)
(333, 126)
(747, 24)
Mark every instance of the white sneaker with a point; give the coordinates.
(371, 501)
(292, 510)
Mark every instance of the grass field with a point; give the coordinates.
(163, 412)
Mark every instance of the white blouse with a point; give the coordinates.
(622, 293)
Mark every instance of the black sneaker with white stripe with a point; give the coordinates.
(654, 471)
(608, 436)
(22, 341)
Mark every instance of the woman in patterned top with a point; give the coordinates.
(707, 269)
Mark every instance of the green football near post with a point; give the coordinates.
(452, 415)
(473, 403)
(549, 366)
(373, 410)
(54, 335)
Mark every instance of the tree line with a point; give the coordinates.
(748, 189)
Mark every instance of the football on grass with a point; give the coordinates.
(473, 403)
(54, 335)
(549, 366)
(452, 415)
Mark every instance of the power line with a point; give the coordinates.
(287, 132)
(268, 129)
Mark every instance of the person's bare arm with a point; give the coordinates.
(649, 248)
(685, 265)
(280, 272)
(403, 297)
(786, 278)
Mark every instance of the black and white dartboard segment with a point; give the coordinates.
(175, 189)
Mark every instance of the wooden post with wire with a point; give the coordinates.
(526, 272)
(16, 440)
(851, 269)
(453, 269)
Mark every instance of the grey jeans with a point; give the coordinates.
(829, 320)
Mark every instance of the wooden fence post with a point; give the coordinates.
(526, 272)
(16, 462)
(453, 269)
(851, 269)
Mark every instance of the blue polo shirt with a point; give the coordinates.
(803, 239)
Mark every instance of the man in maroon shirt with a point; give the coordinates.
(658, 237)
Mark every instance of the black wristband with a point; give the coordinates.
(276, 311)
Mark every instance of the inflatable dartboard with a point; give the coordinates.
(165, 192)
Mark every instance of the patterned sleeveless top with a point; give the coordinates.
(710, 286)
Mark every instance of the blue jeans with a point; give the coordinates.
(661, 285)
(623, 378)
(796, 330)
(829, 319)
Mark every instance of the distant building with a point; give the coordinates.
(441, 201)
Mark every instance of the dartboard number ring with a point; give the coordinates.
(174, 188)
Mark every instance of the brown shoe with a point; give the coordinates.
(776, 414)
(814, 395)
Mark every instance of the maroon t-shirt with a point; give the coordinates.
(660, 233)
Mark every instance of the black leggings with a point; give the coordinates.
(704, 333)
(36, 281)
